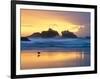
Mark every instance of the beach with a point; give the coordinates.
(55, 53)
(33, 60)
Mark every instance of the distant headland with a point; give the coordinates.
(50, 33)
(25, 39)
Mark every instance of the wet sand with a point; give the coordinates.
(31, 59)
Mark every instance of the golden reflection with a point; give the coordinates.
(31, 59)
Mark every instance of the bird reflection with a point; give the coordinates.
(38, 54)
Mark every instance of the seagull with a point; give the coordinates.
(38, 52)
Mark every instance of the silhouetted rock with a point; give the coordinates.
(37, 34)
(49, 33)
(88, 37)
(24, 39)
(68, 34)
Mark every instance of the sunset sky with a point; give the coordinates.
(41, 20)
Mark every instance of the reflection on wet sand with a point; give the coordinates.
(32, 59)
